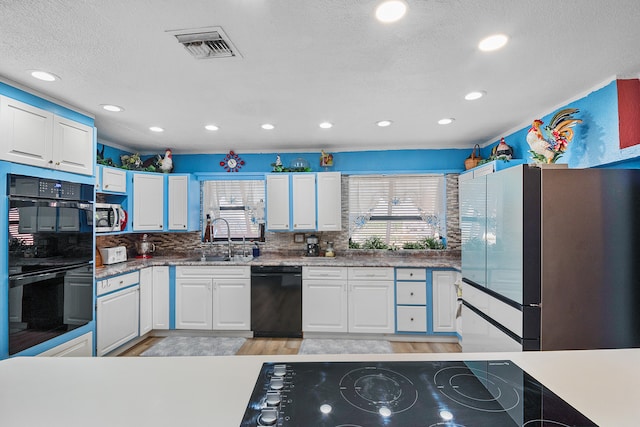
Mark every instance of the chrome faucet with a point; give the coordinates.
(228, 234)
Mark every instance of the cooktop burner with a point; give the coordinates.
(408, 394)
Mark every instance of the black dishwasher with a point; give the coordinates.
(276, 301)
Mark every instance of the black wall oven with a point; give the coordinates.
(50, 259)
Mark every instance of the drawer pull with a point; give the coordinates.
(411, 293)
(412, 319)
(410, 274)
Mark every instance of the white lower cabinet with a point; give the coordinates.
(160, 300)
(213, 298)
(324, 299)
(347, 299)
(411, 300)
(445, 300)
(414, 312)
(146, 300)
(117, 317)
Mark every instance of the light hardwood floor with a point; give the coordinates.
(271, 346)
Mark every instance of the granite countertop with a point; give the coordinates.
(214, 391)
(361, 260)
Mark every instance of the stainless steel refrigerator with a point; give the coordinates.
(550, 259)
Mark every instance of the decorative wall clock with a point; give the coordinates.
(232, 162)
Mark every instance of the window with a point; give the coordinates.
(240, 202)
(396, 209)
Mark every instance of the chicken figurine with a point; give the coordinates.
(548, 144)
(166, 164)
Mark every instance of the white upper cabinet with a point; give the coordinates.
(278, 202)
(304, 201)
(73, 146)
(32, 136)
(26, 133)
(148, 202)
(329, 195)
(114, 180)
(178, 204)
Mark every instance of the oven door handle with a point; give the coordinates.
(28, 278)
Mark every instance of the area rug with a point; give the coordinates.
(338, 346)
(195, 346)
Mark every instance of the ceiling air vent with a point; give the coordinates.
(204, 43)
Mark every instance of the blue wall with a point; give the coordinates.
(365, 161)
(596, 141)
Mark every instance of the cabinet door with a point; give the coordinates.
(114, 180)
(25, 133)
(304, 201)
(194, 303)
(146, 300)
(371, 306)
(232, 304)
(324, 305)
(160, 297)
(444, 301)
(329, 195)
(148, 202)
(278, 202)
(73, 149)
(178, 202)
(117, 319)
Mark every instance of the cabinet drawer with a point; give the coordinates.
(411, 293)
(117, 282)
(412, 319)
(370, 273)
(333, 273)
(411, 274)
(216, 272)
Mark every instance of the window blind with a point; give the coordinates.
(397, 209)
(240, 202)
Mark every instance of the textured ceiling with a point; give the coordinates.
(304, 62)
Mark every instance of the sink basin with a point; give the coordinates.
(215, 258)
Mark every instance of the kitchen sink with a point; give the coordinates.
(214, 258)
(221, 258)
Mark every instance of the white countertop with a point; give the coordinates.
(214, 391)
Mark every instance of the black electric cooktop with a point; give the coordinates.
(493, 393)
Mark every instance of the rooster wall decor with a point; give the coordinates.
(548, 144)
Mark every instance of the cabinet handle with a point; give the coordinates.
(411, 293)
(410, 274)
(412, 319)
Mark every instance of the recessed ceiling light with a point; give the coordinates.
(477, 94)
(268, 126)
(326, 125)
(493, 42)
(211, 127)
(446, 121)
(384, 123)
(156, 129)
(391, 11)
(112, 108)
(44, 76)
